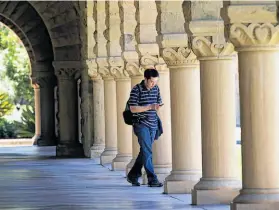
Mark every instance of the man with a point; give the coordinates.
(145, 100)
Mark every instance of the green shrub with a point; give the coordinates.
(26, 128)
(7, 129)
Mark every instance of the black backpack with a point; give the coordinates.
(128, 116)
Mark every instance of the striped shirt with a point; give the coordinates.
(143, 98)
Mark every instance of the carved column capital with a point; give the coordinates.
(119, 73)
(149, 61)
(179, 56)
(206, 48)
(92, 68)
(44, 81)
(153, 61)
(103, 68)
(116, 66)
(134, 70)
(254, 36)
(67, 70)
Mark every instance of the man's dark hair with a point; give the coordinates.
(148, 73)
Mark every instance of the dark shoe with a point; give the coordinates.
(133, 181)
(155, 183)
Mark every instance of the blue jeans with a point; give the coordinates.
(146, 138)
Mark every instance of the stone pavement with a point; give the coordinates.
(31, 178)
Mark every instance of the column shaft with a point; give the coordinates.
(110, 121)
(98, 118)
(218, 133)
(48, 137)
(68, 114)
(37, 101)
(124, 132)
(259, 99)
(186, 129)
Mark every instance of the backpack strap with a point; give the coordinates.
(138, 86)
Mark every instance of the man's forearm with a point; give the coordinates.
(139, 109)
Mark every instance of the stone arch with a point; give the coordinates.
(63, 24)
(27, 24)
(50, 32)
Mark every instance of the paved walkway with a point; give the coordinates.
(31, 179)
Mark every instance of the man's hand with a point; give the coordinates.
(154, 107)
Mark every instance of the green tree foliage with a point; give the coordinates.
(6, 107)
(15, 82)
(17, 66)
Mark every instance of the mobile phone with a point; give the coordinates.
(161, 104)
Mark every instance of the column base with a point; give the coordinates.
(35, 139)
(179, 182)
(258, 206)
(120, 162)
(96, 150)
(256, 199)
(108, 155)
(215, 191)
(162, 171)
(130, 165)
(69, 150)
(50, 141)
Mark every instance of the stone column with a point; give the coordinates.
(48, 137)
(98, 111)
(162, 154)
(67, 73)
(123, 84)
(44, 81)
(185, 99)
(124, 132)
(258, 53)
(36, 138)
(218, 183)
(148, 50)
(186, 119)
(101, 17)
(110, 151)
(130, 56)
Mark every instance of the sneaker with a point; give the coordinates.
(133, 181)
(155, 183)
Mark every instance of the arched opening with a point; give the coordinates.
(17, 116)
(26, 23)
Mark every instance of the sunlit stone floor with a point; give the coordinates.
(31, 178)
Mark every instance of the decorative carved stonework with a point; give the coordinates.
(92, 67)
(67, 69)
(68, 73)
(119, 72)
(48, 81)
(104, 72)
(178, 56)
(149, 61)
(204, 47)
(116, 67)
(155, 61)
(265, 34)
(133, 69)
